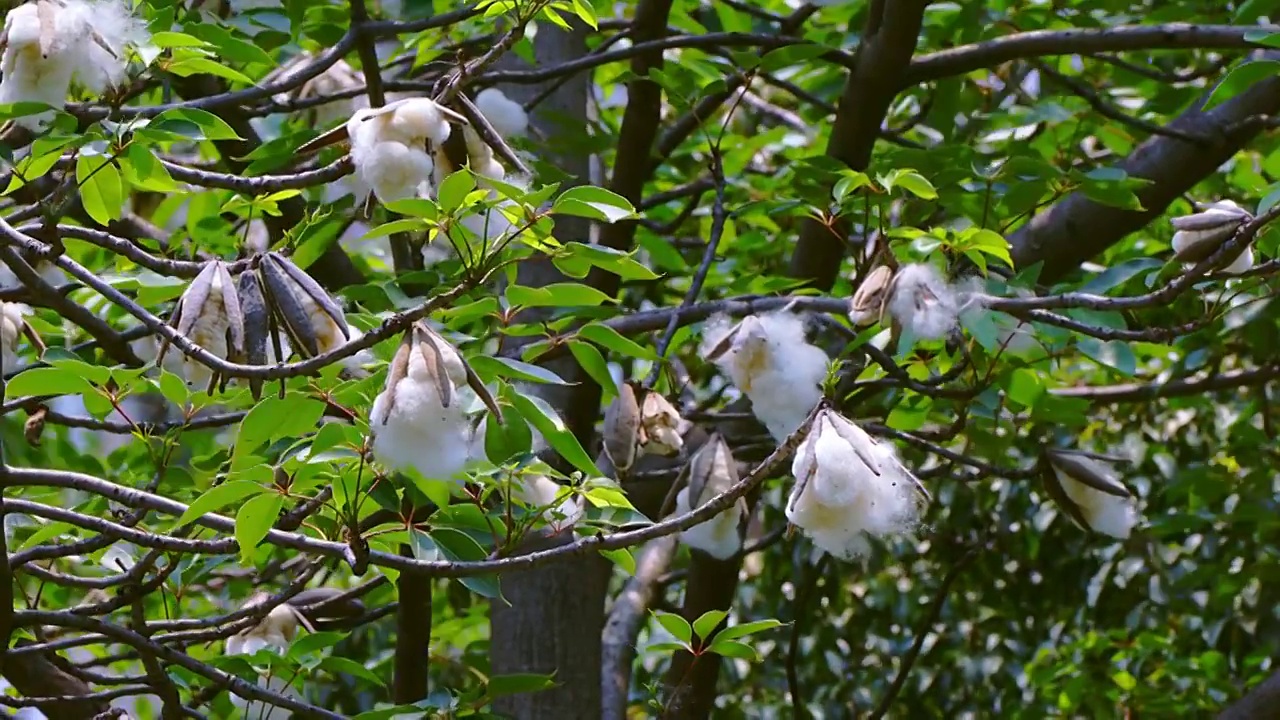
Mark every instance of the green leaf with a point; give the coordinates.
(100, 190)
(254, 521)
(220, 496)
(189, 66)
(611, 339)
(679, 628)
(273, 418)
(744, 629)
(500, 685)
(457, 546)
(166, 39)
(733, 649)
(1240, 79)
(340, 666)
(623, 558)
(590, 359)
(454, 189)
(576, 260)
(489, 366)
(543, 417)
(313, 643)
(211, 126)
(143, 170)
(556, 295)
(909, 180)
(707, 622)
(783, 57)
(1025, 387)
(593, 202)
(47, 381)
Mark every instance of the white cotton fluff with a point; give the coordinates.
(506, 116)
(389, 147)
(362, 358)
(11, 324)
(924, 303)
(35, 74)
(418, 431)
(844, 502)
(540, 491)
(772, 364)
(1105, 513)
(1242, 263)
(210, 333)
(717, 537)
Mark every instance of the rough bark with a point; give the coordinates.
(553, 621)
(883, 58)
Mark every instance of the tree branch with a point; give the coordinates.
(883, 56)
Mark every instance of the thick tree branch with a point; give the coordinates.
(883, 57)
(989, 53)
(1077, 228)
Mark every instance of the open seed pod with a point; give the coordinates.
(621, 436)
(13, 322)
(257, 326)
(1060, 466)
(1200, 234)
(208, 314)
(712, 470)
(659, 425)
(868, 303)
(446, 366)
(313, 321)
(409, 121)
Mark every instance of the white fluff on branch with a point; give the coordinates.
(1110, 513)
(718, 537)
(924, 303)
(769, 360)
(48, 44)
(12, 321)
(416, 430)
(849, 488)
(506, 116)
(388, 147)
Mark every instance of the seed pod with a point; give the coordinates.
(1088, 491)
(257, 326)
(1201, 234)
(209, 315)
(622, 428)
(712, 470)
(659, 425)
(311, 318)
(868, 303)
(454, 366)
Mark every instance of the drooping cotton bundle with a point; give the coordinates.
(49, 42)
(208, 313)
(418, 420)
(1199, 235)
(275, 632)
(13, 324)
(392, 146)
(769, 360)
(711, 471)
(506, 116)
(850, 488)
(924, 303)
(1089, 491)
